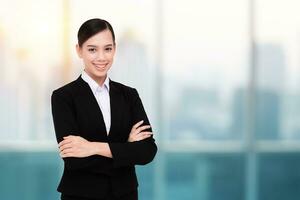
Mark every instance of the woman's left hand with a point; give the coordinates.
(75, 146)
(137, 132)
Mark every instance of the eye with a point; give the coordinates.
(92, 50)
(108, 49)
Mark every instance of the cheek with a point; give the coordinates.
(88, 57)
(111, 57)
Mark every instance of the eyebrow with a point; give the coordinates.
(108, 45)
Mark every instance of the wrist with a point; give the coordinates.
(96, 148)
(101, 149)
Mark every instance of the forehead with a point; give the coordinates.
(102, 38)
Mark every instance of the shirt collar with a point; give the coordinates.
(93, 84)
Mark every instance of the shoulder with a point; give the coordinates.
(67, 89)
(129, 93)
(123, 88)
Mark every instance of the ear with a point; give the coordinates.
(79, 51)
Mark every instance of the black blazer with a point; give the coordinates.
(75, 111)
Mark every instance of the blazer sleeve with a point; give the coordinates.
(65, 124)
(139, 152)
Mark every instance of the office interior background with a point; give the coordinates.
(219, 79)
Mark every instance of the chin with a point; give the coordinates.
(97, 73)
(100, 74)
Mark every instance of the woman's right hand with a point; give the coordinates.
(137, 133)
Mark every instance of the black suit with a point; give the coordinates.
(76, 112)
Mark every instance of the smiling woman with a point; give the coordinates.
(97, 54)
(101, 126)
(97, 51)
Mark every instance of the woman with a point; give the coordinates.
(101, 126)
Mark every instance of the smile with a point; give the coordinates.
(100, 66)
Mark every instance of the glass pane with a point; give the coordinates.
(207, 177)
(30, 49)
(278, 77)
(279, 176)
(146, 178)
(205, 65)
(29, 176)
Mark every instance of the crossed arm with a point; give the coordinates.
(76, 146)
(78, 152)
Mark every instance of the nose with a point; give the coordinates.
(100, 56)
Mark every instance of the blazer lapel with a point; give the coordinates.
(88, 99)
(115, 103)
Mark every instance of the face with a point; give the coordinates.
(97, 54)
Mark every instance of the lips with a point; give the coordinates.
(100, 66)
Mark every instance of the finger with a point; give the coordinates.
(65, 146)
(65, 141)
(142, 137)
(68, 150)
(146, 133)
(70, 136)
(134, 133)
(140, 129)
(138, 124)
(66, 155)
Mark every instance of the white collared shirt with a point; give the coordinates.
(101, 94)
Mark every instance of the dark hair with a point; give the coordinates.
(91, 27)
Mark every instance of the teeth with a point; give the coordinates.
(100, 66)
